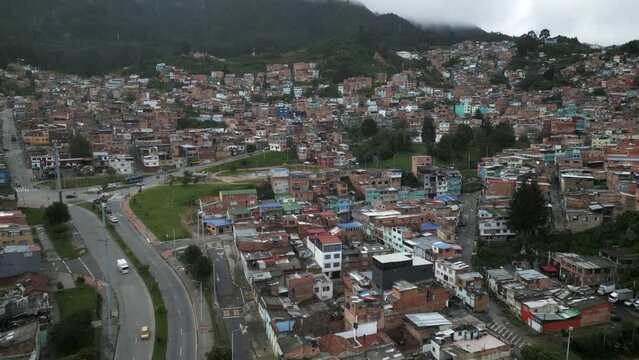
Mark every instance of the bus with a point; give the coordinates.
(134, 179)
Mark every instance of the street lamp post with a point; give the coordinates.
(243, 330)
(570, 328)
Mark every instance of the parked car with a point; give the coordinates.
(97, 201)
(630, 302)
(108, 211)
(70, 196)
(113, 219)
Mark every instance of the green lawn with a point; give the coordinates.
(261, 159)
(35, 216)
(79, 182)
(71, 301)
(399, 161)
(60, 236)
(162, 208)
(81, 297)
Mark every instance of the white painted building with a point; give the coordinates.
(122, 164)
(327, 252)
(323, 287)
(446, 272)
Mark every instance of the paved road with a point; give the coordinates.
(135, 307)
(14, 158)
(182, 342)
(230, 301)
(467, 233)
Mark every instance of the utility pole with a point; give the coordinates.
(201, 296)
(174, 248)
(58, 185)
(107, 266)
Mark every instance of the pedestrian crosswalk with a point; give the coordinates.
(506, 335)
(116, 197)
(23, 189)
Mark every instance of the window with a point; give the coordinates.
(336, 264)
(327, 265)
(316, 290)
(336, 256)
(326, 288)
(327, 257)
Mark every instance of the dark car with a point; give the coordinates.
(97, 201)
(108, 211)
(70, 196)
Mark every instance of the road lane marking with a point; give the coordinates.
(86, 267)
(67, 266)
(180, 351)
(181, 332)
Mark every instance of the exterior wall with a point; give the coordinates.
(16, 263)
(597, 314)
(418, 161)
(15, 235)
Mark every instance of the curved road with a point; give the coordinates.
(181, 319)
(182, 343)
(135, 307)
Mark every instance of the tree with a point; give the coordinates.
(478, 115)
(219, 353)
(503, 136)
(191, 254)
(79, 147)
(74, 333)
(250, 148)
(187, 178)
(539, 352)
(110, 173)
(544, 34)
(57, 213)
(527, 210)
(369, 127)
(463, 136)
(84, 354)
(202, 268)
(445, 148)
(428, 130)
(410, 180)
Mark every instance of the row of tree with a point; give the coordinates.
(486, 140)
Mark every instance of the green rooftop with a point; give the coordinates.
(238, 192)
(291, 206)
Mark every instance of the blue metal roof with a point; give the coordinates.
(218, 222)
(429, 226)
(446, 198)
(350, 225)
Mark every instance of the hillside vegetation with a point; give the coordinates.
(91, 37)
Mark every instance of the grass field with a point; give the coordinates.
(163, 208)
(81, 297)
(35, 216)
(79, 182)
(70, 301)
(261, 159)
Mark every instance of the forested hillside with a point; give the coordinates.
(95, 36)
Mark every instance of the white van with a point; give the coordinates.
(123, 266)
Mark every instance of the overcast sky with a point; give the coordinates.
(602, 22)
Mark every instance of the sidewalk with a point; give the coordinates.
(203, 324)
(136, 222)
(47, 245)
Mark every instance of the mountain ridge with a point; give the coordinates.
(92, 37)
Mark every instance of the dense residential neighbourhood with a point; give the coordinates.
(351, 232)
